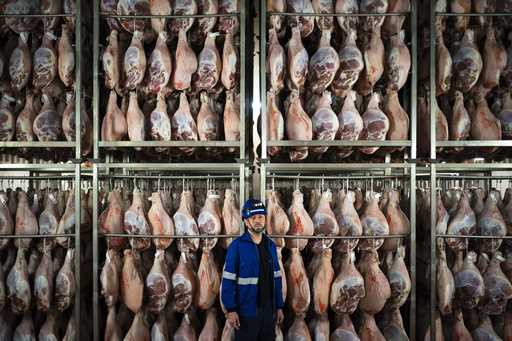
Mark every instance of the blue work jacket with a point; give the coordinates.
(240, 276)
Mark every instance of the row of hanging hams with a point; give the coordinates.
(319, 73)
(201, 26)
(473, 278)
(473, 68)
(40, 212)
(161, 293)
(173, 120)
(38, 292)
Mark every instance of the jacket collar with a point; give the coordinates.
(247, 238)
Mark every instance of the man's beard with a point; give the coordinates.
(257, 229)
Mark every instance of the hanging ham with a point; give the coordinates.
(377, 287)
(186, 63)
(160, 222)
(277, 222)
(298, 127)
(230, 63)
(232, 118)
(491, 223)
(300, 222)
(323, 65)
(135, 222)
(498, 290)
(298, 295)
(111, 60)
(159, 65)
(230, 217)
(139, 330)
(505, 117)
(350, 124)
(209, 65)
(111, 220)
(18, 286)
(398, 62)
(208, 121)
(185, 331)
(444, 65)
(209, 281)
(325, 122)
(393, 24)
(134, 62)
(350, 66)
(209, 220)
(399, 280)
(160, 330)
(446, 284)
(345, 330)
(66, 60)
(322, 280)
(47, 124)
(467, 63)
(7, 122)
(185, 223)
(49, 330)
(398, 119)
(460, 123)
(305, 24)
(20, 64)
(211, 327)
(135, 120)
(25, 223)
(109, 278)
(484, 125)
(469, 284)
(324, 223)
(374, 223)
(184, 284)
(462, 223)
(19, 7)
(369, 331)
(348, 221)
(43, 283)
(375, 124)
(158, 284)
(276, 64)
(347, 23)
(275, 123)
(183, 126)
(160, 123)
(298, 60)
(132, 284)
(65, 285)
(397, 221)
(374, 58)
(45, 62)
(494, 59)
(206, 25)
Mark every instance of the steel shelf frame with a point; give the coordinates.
(76, 145)
(412, 98)
(240, 145)
(192, 170)
(436, 173)
(343, 171)
(56, 168)
(434, 144)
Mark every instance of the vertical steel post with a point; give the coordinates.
(78, 155)
(95, 110)
(263, 79)
(412, 252)
(414, 80)
(243, 126)
(433, 249)
(432, 80)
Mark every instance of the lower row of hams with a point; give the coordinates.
(171, 290)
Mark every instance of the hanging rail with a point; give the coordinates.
(293, 14)
(150, 16)
(207, 236)
(40, 236)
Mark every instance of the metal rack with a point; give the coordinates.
(437, 171)
(434, 144)
(98, 16)
(34, 170)
(76, 145)
(173, 171)
(382, 171)
(262, 91)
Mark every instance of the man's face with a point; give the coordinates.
(256, 223)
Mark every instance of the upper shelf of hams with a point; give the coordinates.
(338, 79)
(37, 77)
(472, 67)
(173, 80)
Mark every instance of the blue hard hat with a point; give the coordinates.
(253, 207)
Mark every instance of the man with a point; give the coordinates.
(251, 280)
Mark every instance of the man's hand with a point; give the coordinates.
(280, 316)
(232, 317)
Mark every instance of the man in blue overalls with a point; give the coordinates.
(251, 280)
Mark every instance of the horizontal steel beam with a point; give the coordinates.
(335, 177)
(196, 144)
(469, 143)
(332, 167)
(37, 144)
(220, 15)
(209, 236)
(35, 15)
(470, 236)
(459, 167)
(37, 177)
(290, 14)
(47, 167)
(495, 14)
(388, 236)
(38, 236)
(338, 143)
(177, 167)
(474, 177)
(170, 177)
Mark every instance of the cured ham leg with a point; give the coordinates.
(300, 222)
